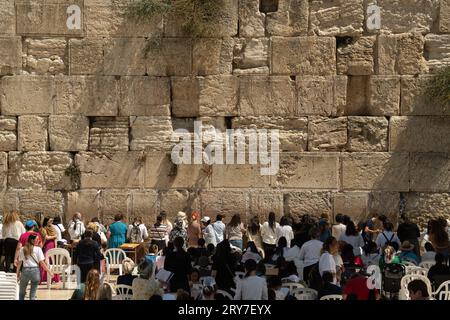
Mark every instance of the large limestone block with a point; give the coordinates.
(327, 134)
(353, 204)
(89, 96)
(419, 134)
(267, 96)
(261, 203)
(212, 56)
(251, 20)
(437, 49)
(3, 170)
(45, 56)
(227, 203)
(367, 134)
(291, 19)
(385, 202)
(384, 95)
(238, 176)
(422, 207)
(124, 56)
(48, 18)
(144, 96)
(304, 56)
(32, 133)
(298, 203)
(151, 133)
(251, 55)
(430, 172)
(173, 201)
(444, 16)
(33, 203)
(22, 95)
(223, 24)
(168, 57)
(375, 171)
(205, 96)
(87, 202)
(86, 56)
(39, 170)
(10, 55)
(414, 15)
(164, 174)
(7, 17)
(308, 171)
(8, 136)
(323, 96)
(145, 204)
(356, 58)
(68, 133)
(337, 18)
(414, 98)
(109, 134)
(293, 132)
(108, 18)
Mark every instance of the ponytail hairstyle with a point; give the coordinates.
(272, 220)
(29, 246)
(250, 266)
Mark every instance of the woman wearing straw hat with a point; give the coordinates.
(407, 252)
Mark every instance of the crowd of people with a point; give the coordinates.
(198, 258)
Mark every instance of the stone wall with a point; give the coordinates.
(357, 130)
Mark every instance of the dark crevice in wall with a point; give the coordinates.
(266, 6)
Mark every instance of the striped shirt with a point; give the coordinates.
(158, 232)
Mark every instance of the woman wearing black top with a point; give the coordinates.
(178, 262)
(88, 255)
(223, 266)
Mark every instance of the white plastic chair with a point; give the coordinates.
(9, 288)
(407, 263)
(443, 292)
(58, 261)
(427, 264)
(73, 274)
(404, 293)
(305, 294)
(225, 294)
(332, 297)
(416, 270)
(292, 286)
(123, 292)
(114, 258)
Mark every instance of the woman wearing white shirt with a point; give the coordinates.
(352, 237)
(310, 252)
(11, 232)
(31, 257)
(285, 230)
(269, 238)
(251, 287)
(327, 261)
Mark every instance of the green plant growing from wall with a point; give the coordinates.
(439, 87)
(73, 171)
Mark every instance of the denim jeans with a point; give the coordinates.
(237, 243)
(27, 275)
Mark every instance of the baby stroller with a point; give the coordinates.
(391, 279)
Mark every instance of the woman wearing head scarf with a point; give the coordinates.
(178, 230)
(194, 230)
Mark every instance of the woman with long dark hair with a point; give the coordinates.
(285, 230)
(234, 231)
(179, 263)
(224, 264)
(439, 238)
(49, 236)
(326, 261)
(353, 238)
(268, 235)
(254, 232)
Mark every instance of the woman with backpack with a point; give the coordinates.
(388, 237)
(31, 258)
(137, 231)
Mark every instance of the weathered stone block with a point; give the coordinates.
(32, 202)
(224, 202)
(45, 56)
(367, 134)
(353, 204)
(342, 17)
(238, 176)
(251, 55)
(151, 133)
(173, 201)
(109, 134)
(48, 18)
(356, 58)
(87, 202)
(185, 96)
(414, 98)
(385, 202)
(169, 57)
(384, 95)
(421, 207)
(375, 171)
(437, 51)
(33, 133)
(89, 96)
(298, 203)
(251, 20)
(308, 171)
(39, 170)
(86, 56)
(10, 55)
(291, 19)
(124, 56)
(7, 17)
(3, 170)
(261, 203)
(267, 96)
(8, 136)
(430, 172)
(26, 95)
(304, 56)
(444, 16)
(416, 15)
(324, 96)
(327, 134)
(212, 56)
(68, 133)
(419, 134)
(144, 96)
(357, 95)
